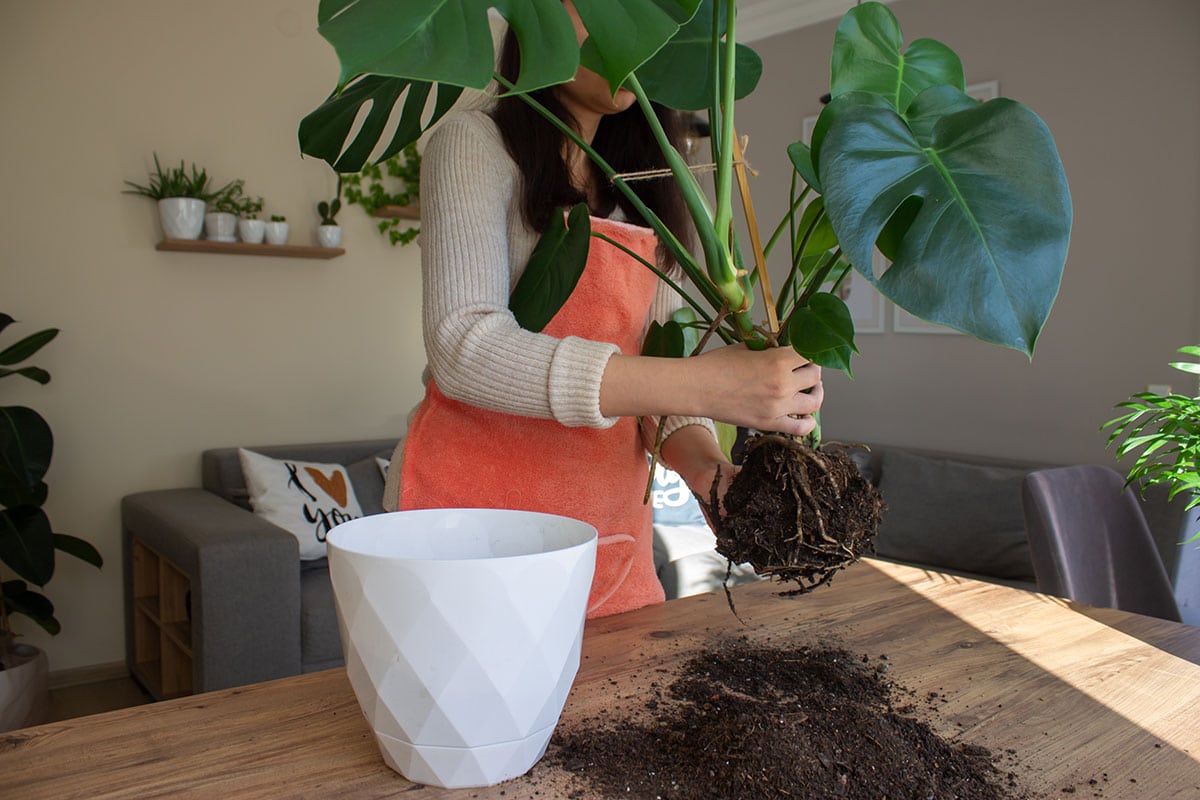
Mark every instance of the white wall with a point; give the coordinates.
(162, 355)
(165, 354)
(1116, 83)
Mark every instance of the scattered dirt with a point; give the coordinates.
(745, 720)
(798, 514)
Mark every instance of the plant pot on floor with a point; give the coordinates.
(329, 235)
(251, 231)
(461, 630)
(277, 232)
(220, 226)
(181, 217)
(24, 689)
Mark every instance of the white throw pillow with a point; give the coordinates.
(382, 463)
(302, 497)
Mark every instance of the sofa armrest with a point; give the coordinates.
(245, 583)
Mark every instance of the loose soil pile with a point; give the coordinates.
(744, 720)
(797, 514)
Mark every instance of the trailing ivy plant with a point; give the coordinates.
(1163, 431)
(396, 181)
(968, 200)
(27, 541)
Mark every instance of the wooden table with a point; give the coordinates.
(1078, 693)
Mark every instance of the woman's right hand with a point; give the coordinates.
(775, 389)
(772, 390)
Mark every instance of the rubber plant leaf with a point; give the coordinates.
(27, 544)
(26, 444)
(680, 74)
(20, 599)
(33, 373)
(74, 546)
(868, 56)
(554, 268)
(625, 34)
(325, 132)
(18, 352)
(985, 249)
(823, 332)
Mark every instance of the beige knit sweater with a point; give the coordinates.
(474, 246)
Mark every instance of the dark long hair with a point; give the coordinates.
(624, 140)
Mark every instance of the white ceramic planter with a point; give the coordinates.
(461, 630)
(181, 217)
(329, 235)
(251, 231)
(277, 232)
(24, 690)
(220, 226)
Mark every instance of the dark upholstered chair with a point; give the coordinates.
(1090, 542)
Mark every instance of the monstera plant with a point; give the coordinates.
(967, 200)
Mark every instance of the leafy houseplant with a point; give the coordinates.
(1164, 432)
(394, 183)
(27, 542)
(967, 200)
(277, 229)
(181, 196)
(220, 223)
(251, 229)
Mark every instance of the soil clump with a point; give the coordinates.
(796, 513)
(746, 720)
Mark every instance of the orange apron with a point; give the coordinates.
(457, 455)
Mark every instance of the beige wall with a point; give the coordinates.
(1116, 83)
(165, 354)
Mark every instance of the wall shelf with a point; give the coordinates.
(398, 212)
(246, 249)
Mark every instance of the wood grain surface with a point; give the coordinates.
(1094, 700)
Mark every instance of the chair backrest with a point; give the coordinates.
(1089, 541)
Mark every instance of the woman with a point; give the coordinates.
(549, 421)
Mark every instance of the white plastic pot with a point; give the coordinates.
(329, 235)
(461, 630)
(251, 231)
(24, 689)
(181, 217)
(220, 226)
(277, 232)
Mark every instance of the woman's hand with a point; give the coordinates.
(772, 390)
(692, 452)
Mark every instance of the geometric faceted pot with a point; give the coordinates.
(461, 630)
(181, 217)
(24, 689)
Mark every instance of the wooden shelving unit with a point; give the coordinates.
(398, 212)
(245, 249)
(162, 628)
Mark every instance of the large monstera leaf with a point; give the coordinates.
(408, 50)
(680, 75)
(984, 252)
(968, 199)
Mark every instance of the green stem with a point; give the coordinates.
(797, 253)
(789, 219)
(723, 220)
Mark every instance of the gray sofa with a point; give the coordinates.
(258, 612)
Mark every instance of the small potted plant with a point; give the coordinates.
(250, 228)
(220, 224)
(329, 233)
(182, 197)
(277, 229)
(25, 450)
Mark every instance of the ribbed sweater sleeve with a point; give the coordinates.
(474, 246)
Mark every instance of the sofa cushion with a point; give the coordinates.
(305, 498)
(954, 515)
(368, 484)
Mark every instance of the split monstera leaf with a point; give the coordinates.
(967, 199)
